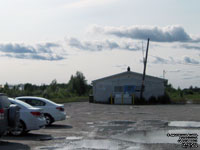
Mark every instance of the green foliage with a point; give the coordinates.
(78, 84)
(77, 89)
(182, 96)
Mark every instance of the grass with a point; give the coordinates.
(71, 99)
(177, 98)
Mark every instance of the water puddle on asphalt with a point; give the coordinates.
(98, 144)
(74, 138)
(189, 124)
(156, 136)
(122, 122)
(46, 138)
(90, 123)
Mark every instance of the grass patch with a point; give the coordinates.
(71, 99)
(176, 97)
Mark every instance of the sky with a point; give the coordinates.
(43, 40)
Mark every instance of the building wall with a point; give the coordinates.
(103, 89)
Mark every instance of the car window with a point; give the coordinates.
(34, 102)
(4, 101)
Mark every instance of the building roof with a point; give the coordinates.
(128, 73)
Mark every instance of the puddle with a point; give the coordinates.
(74, 138)
(90, 123)
(59, 138)
(92, 144)
(189, 124)
(123, 122)
(155, 136)
(46, 138)
(141, 113)
(68, 117)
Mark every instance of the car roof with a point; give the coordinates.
(37, 98)
(21, 103)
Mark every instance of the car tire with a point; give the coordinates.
(19, 130)
(49, 119)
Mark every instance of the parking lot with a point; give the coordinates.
(101, 126)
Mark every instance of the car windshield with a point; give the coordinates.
(20, 103)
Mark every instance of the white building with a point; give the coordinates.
(122, 88)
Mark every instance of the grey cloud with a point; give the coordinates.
(34, 57)
(175, 71)
(193, 77)
(122, 67)
(39, 52)
(186, 60)
(101, 45)
(186, 46)
(189, 60)
(16, 48)
(172, 33)
(159, 60)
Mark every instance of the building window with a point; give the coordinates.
(118, 89)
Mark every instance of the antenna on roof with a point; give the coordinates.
(128, 69)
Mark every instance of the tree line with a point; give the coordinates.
(77, 86)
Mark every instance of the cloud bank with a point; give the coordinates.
(186, 46)
(186, 60)
(45, 51)
(101, 45)
(172, 33)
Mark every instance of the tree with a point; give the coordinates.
(77, 84)
(53, 85)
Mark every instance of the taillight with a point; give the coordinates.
(1, 114)
(60, 108)
(37, 114)
(1, 111)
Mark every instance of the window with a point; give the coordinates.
(118, 89)
(34, 102)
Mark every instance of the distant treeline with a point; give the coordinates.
(77, 86)
(191, 94)
(190, 90)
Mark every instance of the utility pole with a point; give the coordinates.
(144, 71)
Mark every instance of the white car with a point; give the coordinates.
(52, 111)
(31, 118)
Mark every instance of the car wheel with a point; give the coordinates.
(49, 119)
(19, 130)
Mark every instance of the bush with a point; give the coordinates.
(153, 100)
(139, 101)
(165, 99)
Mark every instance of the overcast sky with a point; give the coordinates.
(42, 40)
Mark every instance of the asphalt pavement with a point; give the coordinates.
(91, 126)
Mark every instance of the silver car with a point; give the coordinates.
(52, 111)
(31, 118)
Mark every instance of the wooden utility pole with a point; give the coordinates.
(144, 72)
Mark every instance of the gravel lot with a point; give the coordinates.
(100, 126)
